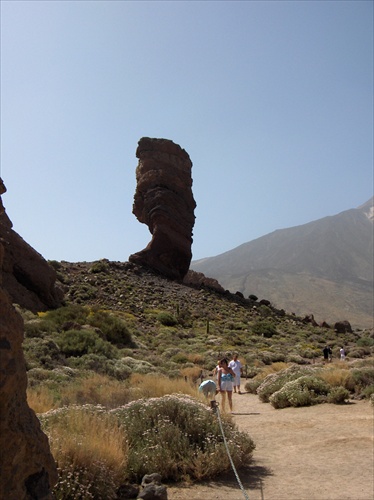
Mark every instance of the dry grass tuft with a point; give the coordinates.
(90, 449)
(157, 385)
(336, 376)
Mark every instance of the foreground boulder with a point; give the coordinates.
(27, 468)
(27, 276)
(163, 200)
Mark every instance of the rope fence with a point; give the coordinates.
(215, 408)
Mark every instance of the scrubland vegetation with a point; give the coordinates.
(103, 374)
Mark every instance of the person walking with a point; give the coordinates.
(342, 354)
(225, 382)
(237, 368)
(327, 354)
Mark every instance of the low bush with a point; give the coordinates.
(264, 327)
(304, 391)
(167, 319)
(100, 266)
(270, 358)
(98, 450)
(275, 381)
(115, 368)
(362, 378)
(338, 395)
(80, 342)
(72, 312)
(188, 443)
(41, 352)
(252, 385)
(114, 329)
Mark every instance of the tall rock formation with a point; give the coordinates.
(164, 201)
(27, 276)
(27, 468)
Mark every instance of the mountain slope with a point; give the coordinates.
(324, 267)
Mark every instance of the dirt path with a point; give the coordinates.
(322, 452)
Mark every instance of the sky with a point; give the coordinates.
(272, 100)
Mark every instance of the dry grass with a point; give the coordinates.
(84, 436)
(155, 386)
(40, 399)
(336, 375)
(102, 390)
(91, 389)
(91, 452)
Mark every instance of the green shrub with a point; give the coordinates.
(114, 329)
(359, 352)
(362, 378)
(264, 327)
(80, 342)
(73, 312)
(101, 266)
(296, 358)
(180, 358)
(304, 391)
(275, 381)
(368, 391)
(37, 328)
(114, 368)
(268, 357)
(41, 353)
(138, 365)
(188, 442)
(167, 319)
(338, 395)
(252, 385)
(55, 264)
(365, 342)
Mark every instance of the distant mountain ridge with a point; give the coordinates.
(324, 267)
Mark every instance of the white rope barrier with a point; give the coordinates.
(214, 406)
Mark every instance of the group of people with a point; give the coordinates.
(227, 375)
(327, 354)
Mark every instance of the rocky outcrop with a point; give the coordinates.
(27, 276)
(343, 327)
(164, 201)
(199, 280)
(27, 468)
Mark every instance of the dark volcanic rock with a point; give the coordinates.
(27, 276)
(27, 468)
(164, 201)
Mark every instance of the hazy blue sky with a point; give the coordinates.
(272, 100)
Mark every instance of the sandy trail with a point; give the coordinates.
(322, 452)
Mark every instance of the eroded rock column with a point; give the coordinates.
(164, 201)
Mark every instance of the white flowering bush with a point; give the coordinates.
(275, 381)
(303, 391)
(179, 437)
